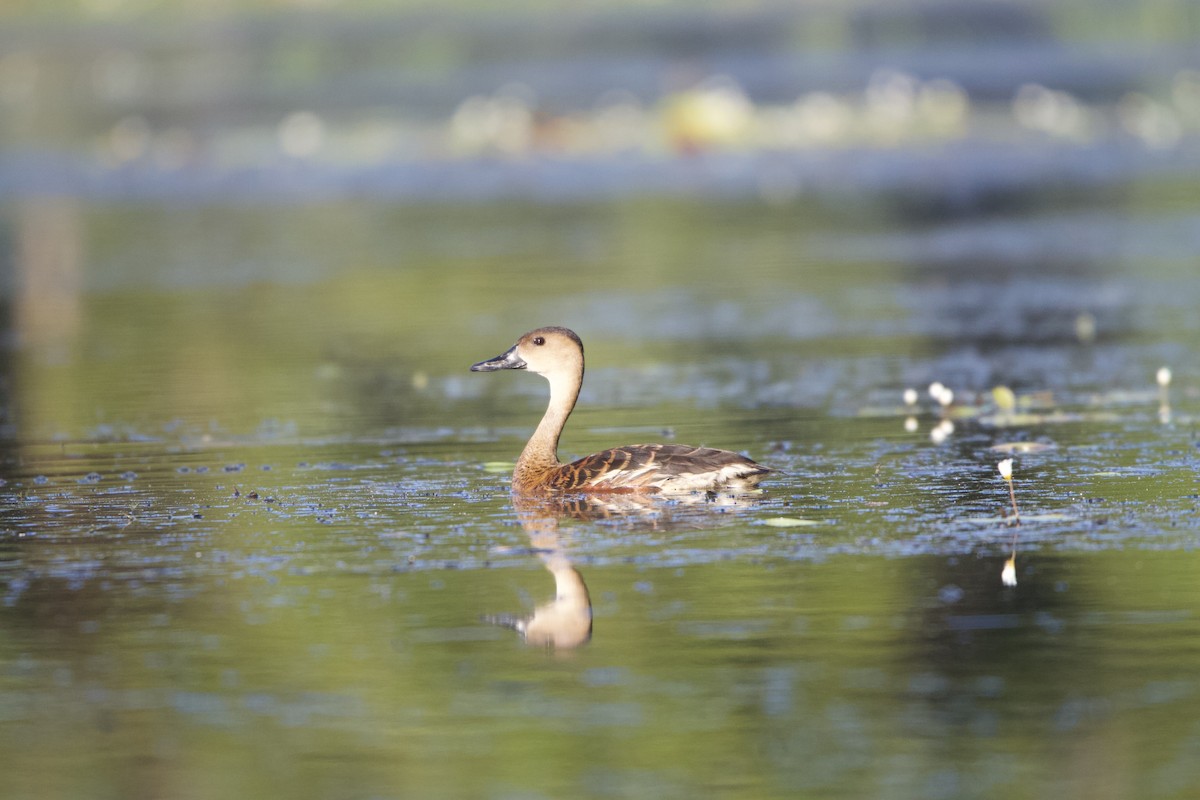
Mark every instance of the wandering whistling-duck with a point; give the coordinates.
(557, 355)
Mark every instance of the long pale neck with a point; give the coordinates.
(542, 448)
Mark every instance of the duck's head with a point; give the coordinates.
(546, 351)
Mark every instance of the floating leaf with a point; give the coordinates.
(789, 522)
(499, 466)
(1004, 398)
(1051, 516)
(1022, 447)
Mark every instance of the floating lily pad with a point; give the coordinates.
(1022, 447)
(499, 466)
(790, 522)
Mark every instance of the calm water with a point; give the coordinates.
(256, 538)
(251, 543)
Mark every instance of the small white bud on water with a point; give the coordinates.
(910, 424)
(935, 389)
(946, 397)
(910, 397)
(1163, 377)
(1008, 575)
(1005, 467)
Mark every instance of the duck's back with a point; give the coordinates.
(659, 467)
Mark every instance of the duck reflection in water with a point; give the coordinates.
(565, 622)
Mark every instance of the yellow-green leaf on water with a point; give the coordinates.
(789, 522)
(498, 466)
(1022, 447)
(1004, 398)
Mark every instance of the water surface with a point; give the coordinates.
(251, 545)
(256, 537)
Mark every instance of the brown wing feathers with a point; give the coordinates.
(651, 466)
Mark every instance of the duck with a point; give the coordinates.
(556, 353)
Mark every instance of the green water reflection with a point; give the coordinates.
(250, 543)
(844, 677)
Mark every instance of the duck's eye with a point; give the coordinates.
(539, 340)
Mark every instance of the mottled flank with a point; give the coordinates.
(557, 354)
(654, 468)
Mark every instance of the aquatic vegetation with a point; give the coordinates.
(944, 395)
(1163, 378)
(1008, 575)
(1022, 447)
(789, 522)
(1005, 468)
